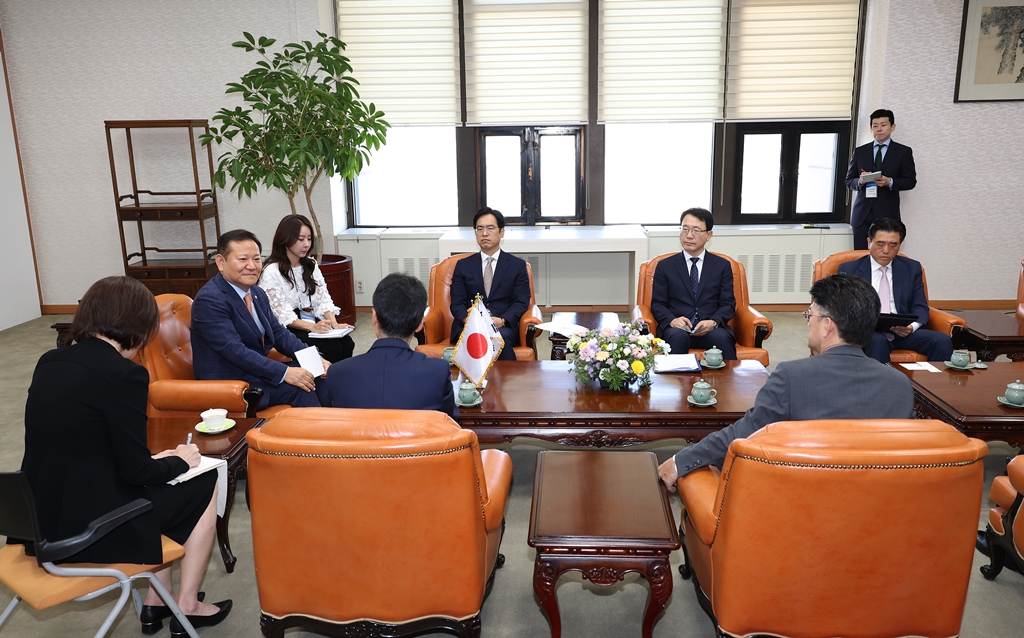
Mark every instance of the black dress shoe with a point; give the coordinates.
(152, 616)
(202, 621)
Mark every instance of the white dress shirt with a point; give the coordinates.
(876, 283)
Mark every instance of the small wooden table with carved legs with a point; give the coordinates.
(603, 514)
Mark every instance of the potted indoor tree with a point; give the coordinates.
(302, 121)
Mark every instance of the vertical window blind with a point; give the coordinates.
(405, 54)
(661, 60)
(791, 59)
(526, 61)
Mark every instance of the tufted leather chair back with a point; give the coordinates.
(169, 354)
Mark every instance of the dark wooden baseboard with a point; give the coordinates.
(58, 308)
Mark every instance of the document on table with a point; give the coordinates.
(564, 329)
(335, 333)
(676, 363)
(309, 359)
(920, 365)
(206, 464)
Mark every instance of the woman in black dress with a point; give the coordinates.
(86, 454)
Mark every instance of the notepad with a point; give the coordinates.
(335, 333)
(676, 363)
(206, 464)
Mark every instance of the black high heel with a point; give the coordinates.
(152, 616)
(202, 621)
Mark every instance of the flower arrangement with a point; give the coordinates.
(615, 356)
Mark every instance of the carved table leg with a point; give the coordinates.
(546, 570)
(558, 347)
(659, 576)
(223, 541)
(984, 354)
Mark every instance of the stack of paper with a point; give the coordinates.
(676, 363)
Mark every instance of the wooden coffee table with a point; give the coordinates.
(603, 514)
(592, 320)
(966, 399)
(991, 333)
(543, 400)
(167, 433)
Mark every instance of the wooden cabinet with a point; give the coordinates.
(180, 266)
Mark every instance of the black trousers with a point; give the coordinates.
(334, 350)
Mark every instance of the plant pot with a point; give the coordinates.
(337, 271)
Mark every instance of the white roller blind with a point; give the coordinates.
(526, 62)
(791, 59)
(405, 54)
(661, 60)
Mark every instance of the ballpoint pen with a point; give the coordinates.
(188, 439)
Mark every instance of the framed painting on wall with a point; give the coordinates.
(991, 62)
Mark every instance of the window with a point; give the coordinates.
(790, 171)
(533, 175)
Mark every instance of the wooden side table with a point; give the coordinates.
(603, 514)
(991, 333)
(592, 320)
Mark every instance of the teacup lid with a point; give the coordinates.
(713, 349)
(1017, 385)
(468, 384)
(702, 384)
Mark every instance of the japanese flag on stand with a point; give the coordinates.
(479, 345)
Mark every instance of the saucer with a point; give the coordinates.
(701, 405)
(1008, 404)
(225, 425)
(949, 364)
(705, 364)
(478, 401)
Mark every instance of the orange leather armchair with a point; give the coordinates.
(437, 321)
(173, 388)
(1005, 548)
(364, 520)
(937, 319)
(836, 528)
(750, 326)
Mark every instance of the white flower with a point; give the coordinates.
(622, 365)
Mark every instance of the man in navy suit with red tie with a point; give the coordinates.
(692, 298)
(497, 276)
(880, 197)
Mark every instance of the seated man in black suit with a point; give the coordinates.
(391, 374)
(900, 287)
(499, 277)
(692, 298)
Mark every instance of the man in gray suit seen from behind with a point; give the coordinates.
(838, 381)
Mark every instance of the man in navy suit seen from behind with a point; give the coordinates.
(695, 320)
(233, 329)
(904, 290)
(391, 374)
(507, 296)
(881, 197)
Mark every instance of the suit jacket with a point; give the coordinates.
(391, 375)
(85, 450)
(907, 284)
(840, 383)
(672, 294)
(510, 290)
(226, 344)
(897, 164)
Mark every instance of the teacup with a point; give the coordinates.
(468, 393)
(702, 392)
(449, 354)
(960, 358)
(214, 416)
(713, 356)
(1015, 392)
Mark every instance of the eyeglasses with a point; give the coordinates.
(686, 230)
(481, 229)
(808, 315)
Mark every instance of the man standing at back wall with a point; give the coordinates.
(497, 276)
(692, 298)
(879, 197)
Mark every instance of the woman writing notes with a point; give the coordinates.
(297, 290)
(86, 453)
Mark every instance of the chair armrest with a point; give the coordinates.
(498, 475)
(526, 335)
(751, 327)
(47, 552)
(1015, 470)
(643, 319)
(942, 321)
(186, 395)
(698, 490)
(433, 327)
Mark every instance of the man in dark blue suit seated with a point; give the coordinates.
(391, 374)
(692, 298)
(900, 287)
(499, 277)
(233, 329)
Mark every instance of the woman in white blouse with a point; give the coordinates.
(297, 291)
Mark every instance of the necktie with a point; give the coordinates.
(884, 297)
(248, 306)
(488, 276)
(878, 157)
(694, 280)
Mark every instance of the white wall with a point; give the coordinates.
(73, 65)
(18, 292)
(965, 219)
